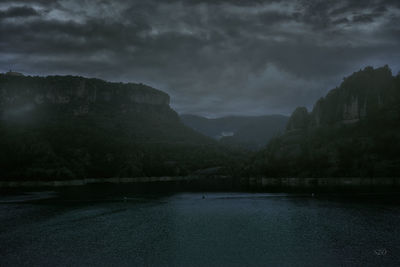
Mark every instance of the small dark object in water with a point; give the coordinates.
(380, 252)
(203, 197)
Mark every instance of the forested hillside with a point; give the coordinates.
(250, 132)
(64, 127)
(353, 131)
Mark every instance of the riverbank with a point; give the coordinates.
(223, 183)
(81, 182)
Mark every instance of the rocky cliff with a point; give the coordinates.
(64, 127)
(364, 94)
(353, 131)
(75, 95)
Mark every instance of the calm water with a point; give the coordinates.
(224, 229)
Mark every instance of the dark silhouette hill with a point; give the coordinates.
(65, 127)
(353, 131)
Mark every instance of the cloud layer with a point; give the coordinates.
(213, 57)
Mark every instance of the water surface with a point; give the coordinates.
(222, 229)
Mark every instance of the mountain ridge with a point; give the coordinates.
(252, 132)
(68, 127)
(353, 131)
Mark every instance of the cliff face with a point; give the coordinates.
(353, 131)
(64, 127)
(362, 95)
(75, 95)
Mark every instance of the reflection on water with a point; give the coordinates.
(195, 229)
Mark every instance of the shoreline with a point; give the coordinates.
(88, 181)
(224, 183)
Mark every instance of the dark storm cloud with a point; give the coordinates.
(363, 18)
(23, 11)
(213, 57)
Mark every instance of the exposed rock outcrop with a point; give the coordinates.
(64, 127)
(76, 95)
(352, 131)
(360, 96)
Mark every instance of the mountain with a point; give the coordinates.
(353, 131)
(250, 132)
(66, 127)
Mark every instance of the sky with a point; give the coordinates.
(213, 57)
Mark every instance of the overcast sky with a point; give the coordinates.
(214, 57)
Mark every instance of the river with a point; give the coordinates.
(198, 229)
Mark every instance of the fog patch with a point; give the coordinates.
(17, 112)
